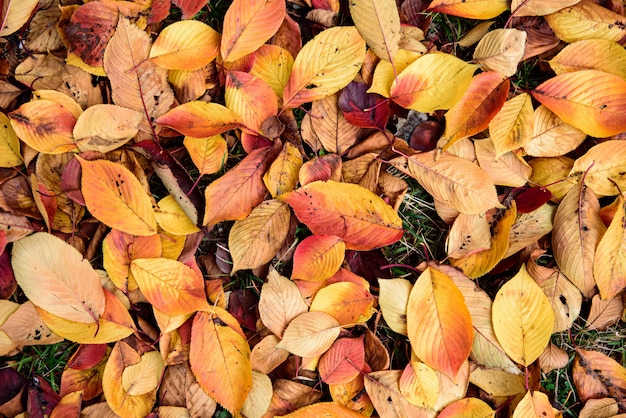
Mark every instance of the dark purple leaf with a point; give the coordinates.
(366, 110)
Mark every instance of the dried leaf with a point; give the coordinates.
(105, 127)
(603, 168)
(501, 50)
(512, 127)
(479, 9)
(393, 300)
(185, 45)
(310, 334)
(586, 20)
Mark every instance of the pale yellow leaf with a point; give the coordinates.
(501, 50)
(143, 377)
(15, 13)
(393, 299)
(378, 23)
(530, 227)
(512, 127)
(508, 169)
(609, 265)
(310, 334)
(280, 302)
(534, 404)
(591, 54)
(105, 127)
(603, 167)
(10, 154)
(551, 136)
(260, 396)
(171, 217)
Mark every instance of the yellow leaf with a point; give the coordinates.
(469, 234)
(553, 173)
(120, 401)
(273, 65)
(143, 377)
(114, 324)
(105, 127)
(61, 98)
(551, 136)
(586, 20)
(318, 258)
(497, 382)
(501, 50)
(171, 217)
(522, 318)
(116, 198)
(530, 227)
(512, 127)
(577, 232)
(467, 408)
(169, 285)
(378, 23)
(47, 268)
(45, 126)
(471, 9)
(432, 82)
(220, 359)
(324, 409)
(260, 396)
(253, 100)
(248, 24)
(10, 154)
(475, 34)
(609, 265)
(326, 64)
(255, 240)
(15, 14)
(419, 384)
(384, 391)
(185, 45)
(508, 169)
(357, 216)
(590, 100)
(393, 300)
(534, 404)
(539, 7)
(454, 181)
(384, 74)
(280, 302)
(310, 334)
(200, 119)
(603, 167)
(282, 176)
(347, 302)
(591, 54)
(438, 323)
(208, 154)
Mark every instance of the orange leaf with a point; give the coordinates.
(522, 318)
(185, 45)
(200, 119)
(116, 198)
(169, 285)
(317, 258)
(280, 302)
(46, 269)
(432, 82)
(468, 408)
(252, 99)
(471, 9)
(236, 193)
(220, 359)
(324, 409)
(105, 127)
(248, 24)
(590, 100)
(347, 302)
(310, 334)
(256, 239)
(273, 65)
(438, 322)
(483, 98)
(343, 361)
(45, 126)
(420, 384)
(326, 64)
(378, 23)
(597, 375)
(354, 214)
(208, 154)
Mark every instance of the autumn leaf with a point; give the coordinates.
(378, 23)
(185, 45)
(476, 9)
(310, 334)
(200, 119)
(354, 214)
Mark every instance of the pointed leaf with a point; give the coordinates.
(235, 194)
(45, 126)
(46, 269)
(590, 100)
(597, 375)
(105, 127)
(185, 45)
(512, 127)
(116, 197)
(15, 14)
(522, 318)
(10, 154)
(252, 99)
(200, 119)
(354, 214)
(587, 20)
(280, 302)
(343, 361)
(592, 54)
(324, 65)
(609, 265)
(282, 176)
(481, 101)
(508, 169)
(468, 408)
(577, 232)
(384, 391)
(603, 167)
(474, 9)
(318, 258)
(452, 180)
(432, 82)
(169, 285)
(420, 384)
(171, 218)
(220, 360)
(349, 303)
(393, 300)
(378, 23)
(534, 403)
(255, 240)
(208, 154)
(438, 322)
(248, 25)
(551, 136)
(539, 7)
(143, 377)
(273, 65)
(330, 126)
(501, 50)
(310, 334)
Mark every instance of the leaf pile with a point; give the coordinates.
(152, 163)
